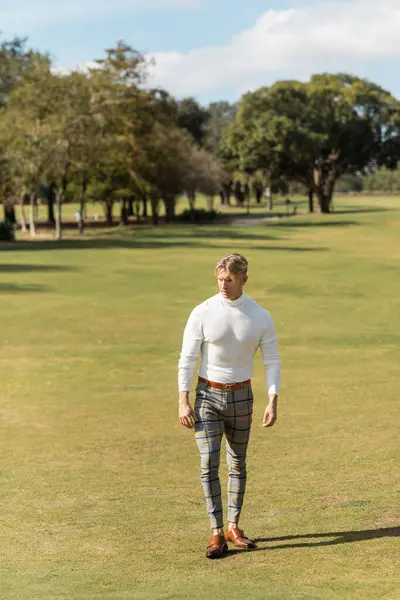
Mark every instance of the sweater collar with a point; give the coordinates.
(235, 303)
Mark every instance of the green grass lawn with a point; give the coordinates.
(100, 491)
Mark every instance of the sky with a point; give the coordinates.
(219, 49)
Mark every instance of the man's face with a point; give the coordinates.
(230, 285)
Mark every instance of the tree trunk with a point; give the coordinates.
(32, 228)
(211, 202)
(109, 211)
(22, 211)
(50, 205)
(324, 186)
(226, 194)
(81, 223)
(331, 187)
(136, 208)
(130, 206)
(323, 202)
(258, 192)
(154, 210)
(144, 203)
(169, 208)
(59, 202)
(36, 206)
(192, 200)
(246, 194)
(310, 201)
(9, 213)
(239, 194)
(59, 198)
(124, 212)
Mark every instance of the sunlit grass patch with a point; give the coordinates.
(99, 483)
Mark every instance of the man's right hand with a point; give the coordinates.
(186, 412)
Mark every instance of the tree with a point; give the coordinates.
(171, 150)
(7, 184)
(74, 135)
(48, 120)
(17, 63)
(17, 66)
(315, 132)
(25, 137)
(126, 115)
(220, 116)
(146, 154)
(203, 173)
(193, 118)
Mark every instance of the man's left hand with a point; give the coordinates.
(271, 412)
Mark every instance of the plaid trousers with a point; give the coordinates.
(220, 412)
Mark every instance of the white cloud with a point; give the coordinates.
(31, 14)
(333, 34)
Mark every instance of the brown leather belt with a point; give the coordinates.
(225, 386)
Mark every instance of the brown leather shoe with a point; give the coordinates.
(237, 537)
(217, 546)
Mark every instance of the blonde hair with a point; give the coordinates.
(234, 263)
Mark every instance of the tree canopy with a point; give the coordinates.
(315, 132)
(103, 132)
(105, 135)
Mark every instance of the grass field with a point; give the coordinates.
(100, 492)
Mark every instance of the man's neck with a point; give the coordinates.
(237, 300)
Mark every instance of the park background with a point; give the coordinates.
(118, 201)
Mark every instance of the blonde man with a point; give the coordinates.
(226, 330)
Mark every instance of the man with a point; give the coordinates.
(226, 330)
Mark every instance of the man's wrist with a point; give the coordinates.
(273, 398)
(184, 397)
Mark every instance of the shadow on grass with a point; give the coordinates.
(348, 211)
(341, 537)
(146, 244)
(21, 268)
(11, 288)
(294, 225)
(188, 232)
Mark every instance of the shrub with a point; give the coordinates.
(198, 215)
(6, 232)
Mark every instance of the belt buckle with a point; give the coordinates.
(229, 386)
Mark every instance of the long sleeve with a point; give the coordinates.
(192, 340)
(270, 357)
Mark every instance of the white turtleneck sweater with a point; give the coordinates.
(227, 334)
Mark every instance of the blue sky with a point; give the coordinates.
(218, 49)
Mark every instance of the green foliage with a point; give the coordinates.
(193, 118)
(105, 131)
(316, 132)
(386, 180)
(220, 116)
(350, 183)
(17, 64)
